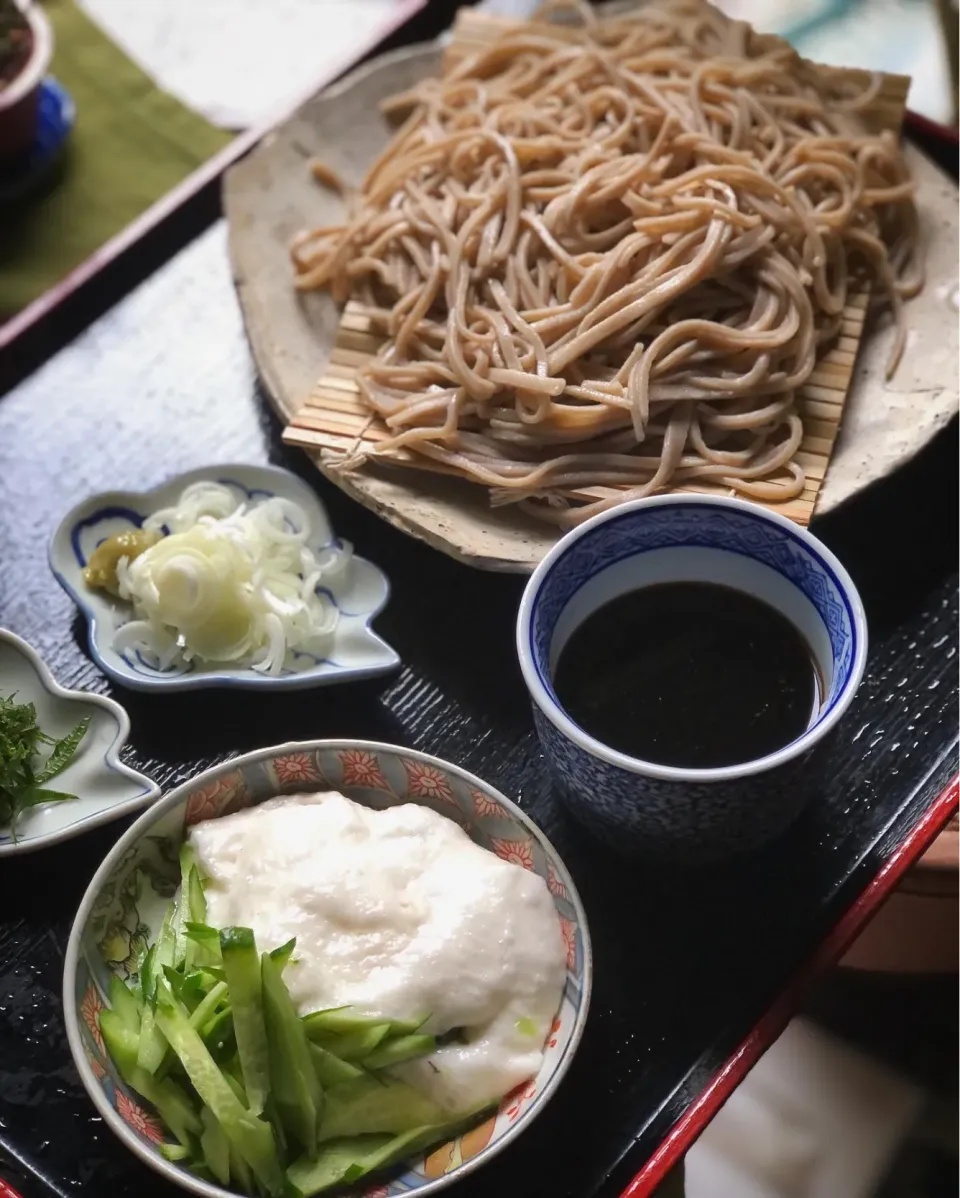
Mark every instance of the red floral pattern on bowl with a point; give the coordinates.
(362, 769)
(218, 797)
(512, 1104)
(142, 1122)
(296, 767)
(517, 852)
(90, 1007)
(484, 806)
(99, 1072)
(556, 887)
(569, 932)
(427, 781)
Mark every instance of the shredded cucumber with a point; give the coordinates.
(255, 1097)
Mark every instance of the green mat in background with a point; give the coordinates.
(130, 145)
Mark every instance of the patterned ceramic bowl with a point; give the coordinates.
(124, 904)
(662, 811)
(358, 593)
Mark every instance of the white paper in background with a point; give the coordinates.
(519, 9)
(813, 1119)
(239, 62)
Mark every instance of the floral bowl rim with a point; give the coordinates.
(636, 509)
(111, 759)
(180, 795)
(143, 502)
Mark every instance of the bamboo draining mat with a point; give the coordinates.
(335, 421)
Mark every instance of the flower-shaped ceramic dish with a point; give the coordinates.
(104, 786)
(359, 593)
(124, 904)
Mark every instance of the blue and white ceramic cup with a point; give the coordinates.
(662, 811)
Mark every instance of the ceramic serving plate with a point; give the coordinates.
(359, 593)
(271, 195)
(104, 786)
(124, 906)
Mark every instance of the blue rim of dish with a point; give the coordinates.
(56, 115)
(842, 693)
(548, 683)
(188, 680)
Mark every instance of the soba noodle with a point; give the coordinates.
(605, 259)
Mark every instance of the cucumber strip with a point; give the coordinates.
(280, 956)
(174, 1153)
(331, 1070)
(349, 1158)
(407, 1144)
(335, 1162)
(215, 1147)
(345, 1019)
(181, 906)
(127, 1005)
(252, 1137)
(200, 931)
(294, 1085)
(241, 965)
(350, 1046)
(236, 1085)
(188, 989)
(206, 945)
(197, 900)
(148, 977)
(164, 949)
(208, 1007)
(172, 1103)
(206, 977)
(240, 1172)
(152, 1047)
(218, 1032)
(398, 1050)
(374, 1105)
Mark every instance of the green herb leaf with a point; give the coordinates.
(37, 795)
(64, 751)
(21, 786)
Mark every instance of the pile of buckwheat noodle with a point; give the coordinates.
(605, 258)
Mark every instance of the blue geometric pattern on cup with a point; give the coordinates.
(671, 820)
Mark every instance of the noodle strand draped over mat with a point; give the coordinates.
(608, 256)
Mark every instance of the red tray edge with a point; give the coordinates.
(689, 1126)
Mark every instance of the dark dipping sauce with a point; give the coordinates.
(689, 674)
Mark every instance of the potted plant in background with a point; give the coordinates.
(26, 45)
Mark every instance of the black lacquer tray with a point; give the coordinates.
(696, 972)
